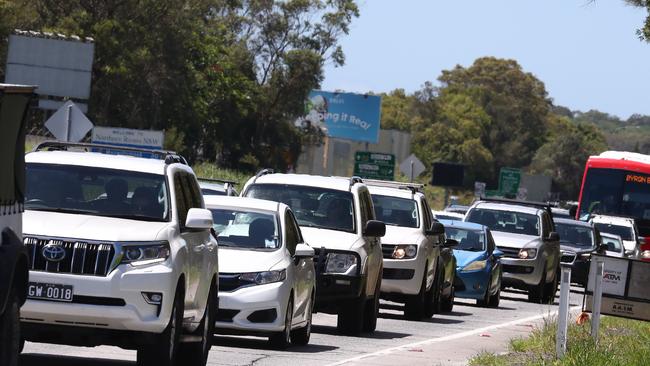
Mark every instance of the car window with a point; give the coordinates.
(625, 232)
(293, 237)
(491, 244)
(368, 211)
(183, 200)
(506, 221)
(470, 240)
(194, 191)
(576, 235)
(312, 206)
(96, 191)
(248, 229)
(613, 245)
(427, 219)
(396, 211)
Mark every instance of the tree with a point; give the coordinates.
(644, 32)
(397, 110)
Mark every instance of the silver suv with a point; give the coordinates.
(525, 233)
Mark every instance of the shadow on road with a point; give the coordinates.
(54, 360)
(263, 344)
(436, 319)
(323, 329)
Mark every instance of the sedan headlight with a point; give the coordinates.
(340, 263)
(475, 266)
(645, 254)
(530, 253)
(262, 278)
(405, 251)
(145, 253)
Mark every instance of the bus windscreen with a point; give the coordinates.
(616, 192)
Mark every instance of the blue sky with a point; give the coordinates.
(586, 53)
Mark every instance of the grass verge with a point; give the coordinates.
(211, 171)
(622, 342)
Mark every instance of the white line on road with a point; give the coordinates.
(450, 337)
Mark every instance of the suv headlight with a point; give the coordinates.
(529, 253)
(340, 262)
(262, 278)
(145, 253)
(405, 251)
(475, 266)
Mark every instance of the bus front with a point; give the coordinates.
(618, 184)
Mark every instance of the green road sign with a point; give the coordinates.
(372, 165)
(509, 179)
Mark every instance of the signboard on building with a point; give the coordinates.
(372, 165)
(509, 180)
(345, 115)
(141, 139)
(624, 286)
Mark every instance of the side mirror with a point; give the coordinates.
(553, 236)
(375, 228)
(304, 251)
(450, 243)
(199, 219)
(497, 253)
(436, 229)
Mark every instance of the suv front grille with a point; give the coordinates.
(509, 252)
(81, 258)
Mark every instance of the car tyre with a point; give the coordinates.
(536, 292)
(428, 301)
(196, 353)
(10, 332)
(550, 290)
(281, 340)
(485, 301)
(495, 299)
(415, 306)
(164, 351)
(350, 317)
(371, 310)
(300, 336)
(448, 303)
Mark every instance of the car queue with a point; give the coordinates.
(138, 253)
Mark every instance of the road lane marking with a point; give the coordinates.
(451, 337)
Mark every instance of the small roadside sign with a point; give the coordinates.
(509, 179)
(412, 167)
(479, 189)
(372, 165)
(127, 137)
(69, 123)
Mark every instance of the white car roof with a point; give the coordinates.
(624, 155)
(242, 202)
(214, 186)
(506, 207)
(95, 159)
(457, 215)
(337, 183)
(614, 220)
(393, 192)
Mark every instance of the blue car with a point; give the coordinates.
(478, 265)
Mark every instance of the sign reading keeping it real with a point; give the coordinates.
(625, 288)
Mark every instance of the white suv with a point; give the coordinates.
(121, 253)
(621, 226)
(411, 249)
(267, 279)
(337, 219)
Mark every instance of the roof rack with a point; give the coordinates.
(541, 205)
(413, 187)
(263, 172)
(169, 157)
(217, 180)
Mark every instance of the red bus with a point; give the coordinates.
(618, 184)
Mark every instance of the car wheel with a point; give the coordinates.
(437, 295)
(428, 301)
(281, 340)
(448, 303)
(196, 353)
(371, 311)
(485, 300)
(300, 337)
(350, 316)
(10, 332)
(495, 299)
(536, 292)
(165, 349)
(414, 308)
(550, 290)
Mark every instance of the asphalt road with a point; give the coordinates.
(445, 339)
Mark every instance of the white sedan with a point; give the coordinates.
(266, 271)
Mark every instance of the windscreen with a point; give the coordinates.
(506, 221)
(313, 206)
(615, 192)
(470, 240)
(625, 232)
(96, 191)
(396, 211)
(575, 235)
(246, 229)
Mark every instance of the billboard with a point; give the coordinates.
(345, 115)
(126, 137)
(61, 66)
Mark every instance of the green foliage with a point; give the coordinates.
(397, 110)
(622, 342)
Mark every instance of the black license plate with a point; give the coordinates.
(49, 291)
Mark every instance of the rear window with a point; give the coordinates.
(625, 232)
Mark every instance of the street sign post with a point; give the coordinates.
(372, 165)
(509, 179)
(412, 167)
